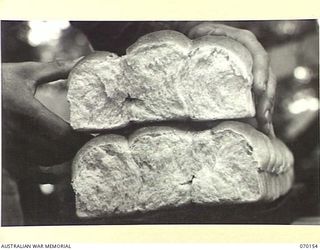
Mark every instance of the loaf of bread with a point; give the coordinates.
(164, 76)
(163, 167)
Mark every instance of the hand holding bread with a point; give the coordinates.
(32, 133)
(165, 79)
(264, 81)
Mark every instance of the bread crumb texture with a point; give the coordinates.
(164, 76)
(164, 167)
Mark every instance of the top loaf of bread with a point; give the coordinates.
(164, 76)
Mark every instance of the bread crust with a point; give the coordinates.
(231, 46)
(177, 38)
(271, 184)
(257, 139)
(95, 142)
(158, 38)
(139, 107)
(270, 172)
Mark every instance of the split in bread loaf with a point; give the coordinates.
(163, 167)
(164, 76)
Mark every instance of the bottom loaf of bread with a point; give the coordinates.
(163, 167)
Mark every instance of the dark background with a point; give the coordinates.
(293, 46)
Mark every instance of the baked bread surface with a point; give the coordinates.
(161, 167)
(164, 76)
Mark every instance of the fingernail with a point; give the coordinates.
(260, 89)
(260, 79)
(267, 127)
(267, 115)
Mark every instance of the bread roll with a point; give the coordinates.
(164, 167)
(164, 76)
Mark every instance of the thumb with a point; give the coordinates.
(52, 71)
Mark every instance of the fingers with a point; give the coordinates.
(264, 81)
(33, 132)
(43, 72)
(52, 71)
(208, 28)
(265, 106)
(249, 40)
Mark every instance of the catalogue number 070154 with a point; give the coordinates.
(308, 246)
